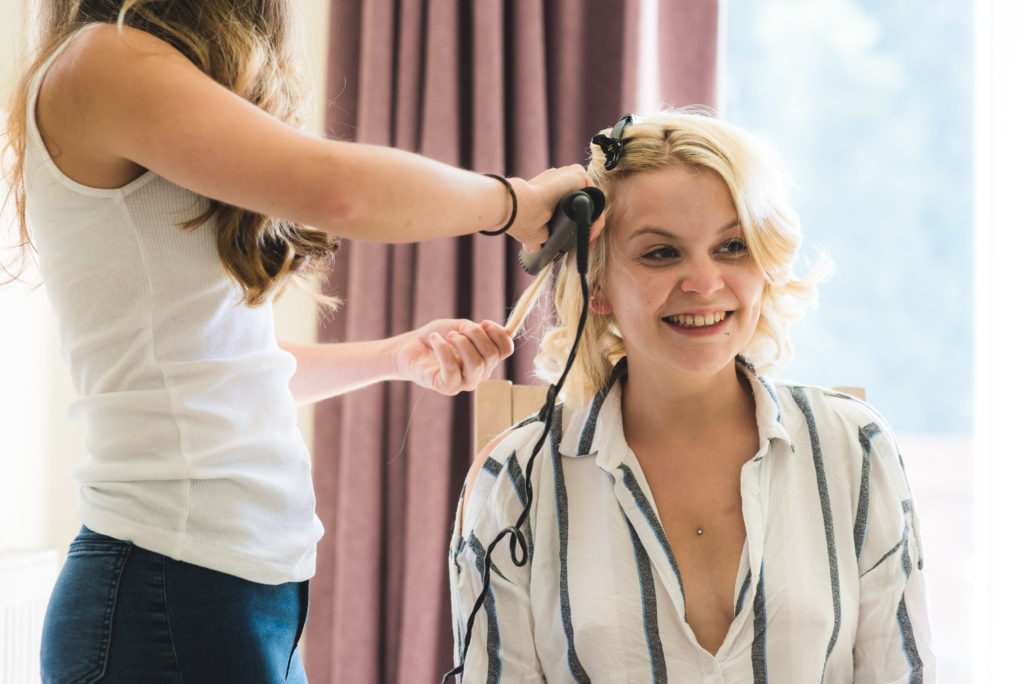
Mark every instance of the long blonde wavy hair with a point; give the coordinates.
(249, 47)
(694, 138)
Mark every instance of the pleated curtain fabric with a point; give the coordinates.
(501, 86)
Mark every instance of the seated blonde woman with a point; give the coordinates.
(691, 519)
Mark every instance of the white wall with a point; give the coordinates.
(38, 443)
(295, 314)
(999, 326)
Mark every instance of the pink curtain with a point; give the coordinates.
(510, 87)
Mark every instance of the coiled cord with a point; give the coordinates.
(583, 214)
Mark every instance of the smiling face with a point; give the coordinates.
(679, 281)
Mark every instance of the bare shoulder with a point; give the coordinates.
(102, 62)
(94, 91)
(107, 47)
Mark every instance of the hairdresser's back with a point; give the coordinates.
(177, 461)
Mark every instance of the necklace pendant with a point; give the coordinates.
(700, 531)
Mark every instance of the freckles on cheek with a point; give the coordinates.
(645, 287)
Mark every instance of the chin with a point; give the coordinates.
(702, 365)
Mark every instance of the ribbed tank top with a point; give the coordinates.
(193, 449)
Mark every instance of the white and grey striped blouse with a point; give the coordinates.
(830, 586)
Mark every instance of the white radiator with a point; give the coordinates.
(26, 580)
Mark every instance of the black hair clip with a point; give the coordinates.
(612, 145)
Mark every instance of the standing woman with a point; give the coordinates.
(691, 519)
(159, 171)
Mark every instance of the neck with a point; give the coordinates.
(691, 408)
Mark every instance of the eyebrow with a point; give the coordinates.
(650, 230)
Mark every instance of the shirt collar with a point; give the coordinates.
(597, 430)
(767, 410)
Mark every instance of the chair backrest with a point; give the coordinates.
(498, 404)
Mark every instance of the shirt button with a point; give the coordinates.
(753, 489)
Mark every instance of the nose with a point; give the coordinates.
(701, 276)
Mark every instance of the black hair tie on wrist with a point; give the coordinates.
(515, 205)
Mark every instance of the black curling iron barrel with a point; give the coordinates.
(578, 208)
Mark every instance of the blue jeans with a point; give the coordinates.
(120, 613)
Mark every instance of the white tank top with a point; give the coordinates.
(192, 442)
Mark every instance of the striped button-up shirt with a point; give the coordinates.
(830, 585)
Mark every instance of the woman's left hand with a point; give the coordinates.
(451, 355)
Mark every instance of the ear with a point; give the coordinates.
(596, 228)
(598, 303)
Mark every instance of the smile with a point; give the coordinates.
(698, 320)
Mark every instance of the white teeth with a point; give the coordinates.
(698, 321)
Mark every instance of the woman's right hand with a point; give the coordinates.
(538, 198)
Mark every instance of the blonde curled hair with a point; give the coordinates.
(693, 138)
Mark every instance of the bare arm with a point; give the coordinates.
(448, 356)
(113, 101)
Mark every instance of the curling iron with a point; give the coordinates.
(581, 207)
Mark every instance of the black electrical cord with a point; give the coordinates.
(583, 214)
